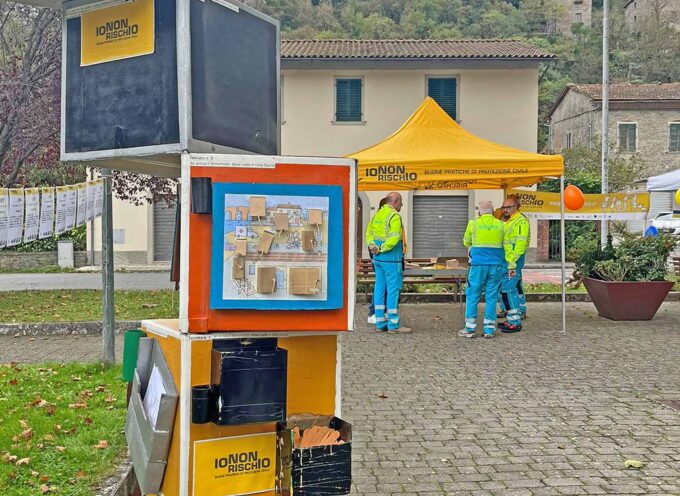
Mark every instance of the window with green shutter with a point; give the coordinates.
(674, 137)
(443, 91)
(348, 100)
(627, 137)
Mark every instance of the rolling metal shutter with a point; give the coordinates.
(439, 224)
(163, 231)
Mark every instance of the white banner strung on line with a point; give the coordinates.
(15, 216)
(98, 198)
(89, 211)
(71, 206)
(82, 204)
(32, 214)
(60, 217)
(46, 213)
(4, 208)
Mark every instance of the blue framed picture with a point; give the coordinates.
(277, 247)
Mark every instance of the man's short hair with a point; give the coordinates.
(515, 199)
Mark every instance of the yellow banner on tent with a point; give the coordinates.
(612, 206)
(432, 151)
(119, 32)
(233, 466)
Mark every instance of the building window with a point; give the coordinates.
(627, 137)
(578, 17)
(348, 100)
(567, 141)
(443, 91)
(674, 137)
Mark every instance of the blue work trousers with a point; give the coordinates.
(482, 279)
(520, 293)
(511, 297)
(388, 279)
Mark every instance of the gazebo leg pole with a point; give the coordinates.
(563, 257)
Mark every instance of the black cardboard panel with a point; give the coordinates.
(125, 103)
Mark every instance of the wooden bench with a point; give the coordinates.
(366, 276)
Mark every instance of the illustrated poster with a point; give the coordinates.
(286, 250)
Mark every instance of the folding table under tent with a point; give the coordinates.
(431, 151)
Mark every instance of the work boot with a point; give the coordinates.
(502, 315)
(400, 330)
(464, 333)
(509, 328)
(371, 319)
(488, 335)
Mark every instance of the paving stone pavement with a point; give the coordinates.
(534, 413)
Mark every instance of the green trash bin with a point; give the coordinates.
(130, 352)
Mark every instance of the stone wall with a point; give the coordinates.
(36, 260)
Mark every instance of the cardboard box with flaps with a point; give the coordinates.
(304, 281)
(316, 456)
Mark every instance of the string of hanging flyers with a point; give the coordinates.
(27, 214)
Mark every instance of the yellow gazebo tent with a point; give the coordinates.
(432, 151)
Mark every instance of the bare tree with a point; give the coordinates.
(30, 60)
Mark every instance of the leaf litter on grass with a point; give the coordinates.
(47, 447)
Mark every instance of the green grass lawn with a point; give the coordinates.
(85, 305)
(60, 428)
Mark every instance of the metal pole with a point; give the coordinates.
(563, 256)
(605, 111)
(91, 254)
(108, 318)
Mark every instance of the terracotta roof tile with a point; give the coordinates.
(411, 49)
(631, 91)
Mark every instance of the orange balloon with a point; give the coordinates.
(573, 197)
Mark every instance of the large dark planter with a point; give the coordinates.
(627, 300)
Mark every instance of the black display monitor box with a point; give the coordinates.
(205, 81)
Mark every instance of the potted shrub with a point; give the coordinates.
(626, 282)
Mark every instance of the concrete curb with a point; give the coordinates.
(121, 483)
(63, 328)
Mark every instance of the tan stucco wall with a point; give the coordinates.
(499, 105)
(135, 221)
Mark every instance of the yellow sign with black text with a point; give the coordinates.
(233, 466)
(612, 206)
(118, 32)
